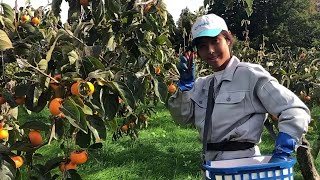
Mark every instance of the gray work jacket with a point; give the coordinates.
(246, 93)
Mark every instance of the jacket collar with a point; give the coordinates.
(228, 72)
(231, 68)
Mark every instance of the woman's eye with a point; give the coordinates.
(215, 41)
(201, 46)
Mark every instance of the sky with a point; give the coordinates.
(174, 7)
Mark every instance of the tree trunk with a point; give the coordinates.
(316, 148)
(306, 163)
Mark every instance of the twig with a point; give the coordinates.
(72, 35)
(2, 61)
(112, 60)
(37, 69)
(144, 3)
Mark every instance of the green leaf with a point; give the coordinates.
(72, 174)
(2, 21)
(22, 146)
(97, 125)
(113, 125)
(28, 27)
(110, 103)
(283, 72)
(83, 121)
(248, 6)
(38, 170)
(112, 8)
(59, 129)
(95, 146)
(99, 74)
(73, 56)
(9, 24)
(140, 87)
(5, 42)
(74, 115)
(83, 139)
(111, 45)
(43, 65)
(168, 66)
(163, 91)
(36, 100)
(160, 55)
(77, 101)
(23, 74)
(8, 11)
(56, 4)
(7, 166)
(4, 150)
(89, 64)
(9, 98)
(92, 51)
(37, 125)
(160, 90)
(20, 90)
(124, 92)
(49, 53)
(86, 110)
(160, 40)
(144, 50)
(97, 11)
(206, 2)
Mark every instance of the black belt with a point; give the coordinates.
(229, 146)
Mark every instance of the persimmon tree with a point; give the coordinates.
(102, 71)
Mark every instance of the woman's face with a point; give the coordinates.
(215, 51)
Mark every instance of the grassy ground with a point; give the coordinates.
(163, 151)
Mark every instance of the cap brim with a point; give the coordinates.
(207, 33)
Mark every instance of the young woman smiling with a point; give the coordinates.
(230, 106)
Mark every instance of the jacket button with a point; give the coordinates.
(228, 99)
(200, 102)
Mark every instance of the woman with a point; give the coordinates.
(242, 96)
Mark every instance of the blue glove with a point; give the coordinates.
(186, 69)
(285, 146)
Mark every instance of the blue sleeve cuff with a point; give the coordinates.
(285, 144)
(183, 86)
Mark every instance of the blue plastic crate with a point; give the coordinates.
(249, 169)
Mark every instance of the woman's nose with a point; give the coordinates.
(211, 49)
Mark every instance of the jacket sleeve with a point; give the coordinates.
(294, 115)
(181, 107)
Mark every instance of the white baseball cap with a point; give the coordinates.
(208, 25)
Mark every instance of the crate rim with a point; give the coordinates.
(234, 170)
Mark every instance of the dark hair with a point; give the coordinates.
(228, 36)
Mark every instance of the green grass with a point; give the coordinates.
(164, 150)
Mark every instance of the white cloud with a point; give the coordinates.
(173, 6)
